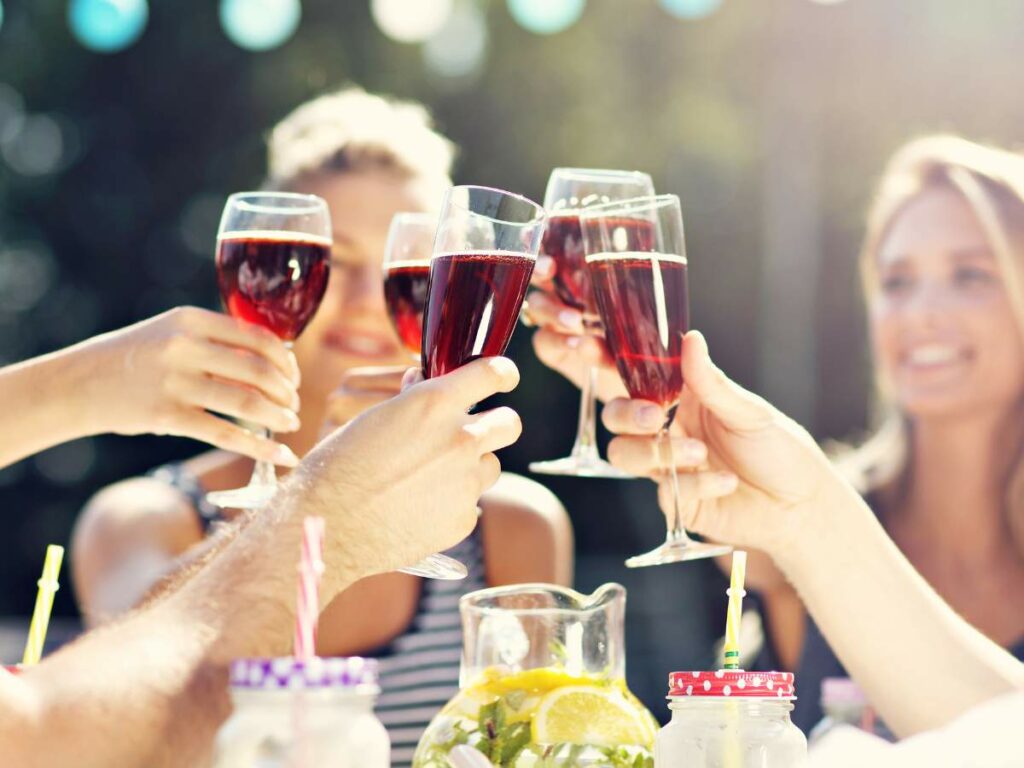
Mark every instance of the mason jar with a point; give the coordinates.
(730, 719)
(315, 712)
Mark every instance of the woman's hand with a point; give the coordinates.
(361, 388)
(402, 480)
(561, 343)
(164, 374)
(762, 475)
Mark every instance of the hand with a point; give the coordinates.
(361, 388)
(763, 472)
(162, 376)
(402, 480)
(561, 344)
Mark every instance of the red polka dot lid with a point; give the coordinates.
(732, 683)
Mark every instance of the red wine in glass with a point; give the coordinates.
(473, 305)
(644, 303)
(563, 243)
(276, 280)
(405, 293)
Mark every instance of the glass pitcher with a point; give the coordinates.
(542, 684)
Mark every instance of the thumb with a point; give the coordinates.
(411, 376)
(734, 406)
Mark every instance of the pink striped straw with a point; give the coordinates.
(311, 566)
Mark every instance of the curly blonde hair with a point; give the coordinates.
(352, 130)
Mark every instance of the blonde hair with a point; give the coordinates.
(352, 130)
(991, 182)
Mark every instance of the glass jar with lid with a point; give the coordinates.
(311, 712)
(731, 719)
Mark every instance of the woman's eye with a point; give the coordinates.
(973, 276)
(895, 283)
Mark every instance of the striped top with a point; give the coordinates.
(419, 671)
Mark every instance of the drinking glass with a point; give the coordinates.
(406, 272)
(570, 191)
(273, 261)
(636, 257)
(407, 255)
(483, 256)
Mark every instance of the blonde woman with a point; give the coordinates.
(369, 157)
(943, 266)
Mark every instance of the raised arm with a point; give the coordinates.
(150, 690)
(160, 376)
(766, 484)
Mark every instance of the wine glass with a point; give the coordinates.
(273, 261)
(570, 191)
(483, 256)
(406, 273)
(636, 257)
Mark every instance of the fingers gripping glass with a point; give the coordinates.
(636, 259)
(406, 272)
(570, 191)
(273, 261)
(483, 256)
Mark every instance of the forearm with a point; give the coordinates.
(919, 662)
(43, 404)
(151, 689)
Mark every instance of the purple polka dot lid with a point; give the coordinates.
(288, 672)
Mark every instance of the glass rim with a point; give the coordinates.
(540, 217)
(240, 200)
(597, 601)
(600, 173)
(638, 204)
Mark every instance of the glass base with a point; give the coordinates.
(250, 497)
(678, 552)
(580, 466)
(439, 567)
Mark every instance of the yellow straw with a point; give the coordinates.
(48, 587)
(732, 618)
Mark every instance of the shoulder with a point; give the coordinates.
(527, 534)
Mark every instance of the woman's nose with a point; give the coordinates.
(365, 287)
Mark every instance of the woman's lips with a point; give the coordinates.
(358, 344)
(932, 357)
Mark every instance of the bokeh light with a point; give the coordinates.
(691, 9)
(107, 26)
(411, 21)
(546, 17)
(36, 148)
(67, 464)
(260, 25)
(460, 48)
(27, 273)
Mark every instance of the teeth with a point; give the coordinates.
(933, 354)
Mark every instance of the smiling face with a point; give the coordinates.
(944, 334)
(352, 327)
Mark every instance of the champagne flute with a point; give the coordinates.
(406, 273)
(570, 191)
(483, 256)
(273, 262)
(636, 257)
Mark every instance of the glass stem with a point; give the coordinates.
(263, 472)
(676, 531)
(586, 430)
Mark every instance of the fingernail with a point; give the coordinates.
(573, 342)
(571, 319)
(726, 481)
(284, 457)
(694, 450)
(650, 416)
(292, 419)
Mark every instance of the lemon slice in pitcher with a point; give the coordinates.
(589, 715)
